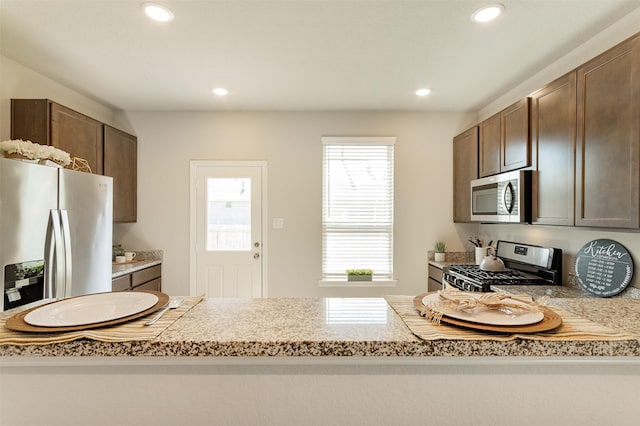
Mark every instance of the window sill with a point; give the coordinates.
(344, 283)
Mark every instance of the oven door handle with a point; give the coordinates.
(507, 197)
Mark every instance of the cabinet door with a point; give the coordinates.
(435, 279)
(30, 120)
(78, 135)
(433, 285)
(122, 283)
(514, 140)
(155, 285)
(608, 138)
(120, 162)
(145, 275)
(490, 146)
(553, 142)
(465, 169)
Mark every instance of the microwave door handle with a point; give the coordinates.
(508, 204)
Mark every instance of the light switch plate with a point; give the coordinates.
(278, 223)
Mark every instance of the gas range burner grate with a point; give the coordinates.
(472, 278)
(525, 264)
(474, 272)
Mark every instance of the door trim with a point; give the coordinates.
(193, 169)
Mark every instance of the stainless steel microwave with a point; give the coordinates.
(505, 197)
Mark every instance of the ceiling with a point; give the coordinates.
(296, 54)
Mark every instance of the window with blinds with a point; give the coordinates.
(357, 206)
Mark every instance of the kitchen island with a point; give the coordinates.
(328, 361)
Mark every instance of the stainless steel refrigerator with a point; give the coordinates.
(55, 232)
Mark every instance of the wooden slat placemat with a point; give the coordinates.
(129, 331)
(573, 327)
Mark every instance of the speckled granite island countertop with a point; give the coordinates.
(326, 361)
(357, 327)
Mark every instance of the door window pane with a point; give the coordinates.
(228, 214)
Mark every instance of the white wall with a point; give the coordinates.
(18, 81)
(291, 144)
(569, 239)
(319, 391)
(616, 33)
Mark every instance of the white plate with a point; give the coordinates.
(91, 309)
(490, 316)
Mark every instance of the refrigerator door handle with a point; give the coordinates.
(66, 236)
(54, 259)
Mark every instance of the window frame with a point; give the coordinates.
(332, 279)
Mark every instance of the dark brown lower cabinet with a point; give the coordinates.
(122, 283)
(144, 279)
(435, 279)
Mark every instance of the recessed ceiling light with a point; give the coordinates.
(487, 13)
(423, 92)
(220, 91)
(157, 12)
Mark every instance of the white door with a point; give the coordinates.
(227, 255)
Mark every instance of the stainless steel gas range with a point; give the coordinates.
(525, 264)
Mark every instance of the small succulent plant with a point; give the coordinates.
(359, 271)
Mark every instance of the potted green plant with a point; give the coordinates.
(439, 254)
(359, 274)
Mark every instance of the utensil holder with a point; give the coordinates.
(481, 252)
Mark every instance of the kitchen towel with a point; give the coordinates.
(129, 331)
(573, 327)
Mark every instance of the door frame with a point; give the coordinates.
(193, 169)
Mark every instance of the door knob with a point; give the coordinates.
(256, 255)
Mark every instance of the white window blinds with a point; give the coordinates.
(357, 206)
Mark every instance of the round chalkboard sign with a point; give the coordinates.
(604, 267)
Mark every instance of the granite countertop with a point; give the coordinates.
(367, 327)
(143, 260)
(442, 265)
(127, 268)
(452, 258)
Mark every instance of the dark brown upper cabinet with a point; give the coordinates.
(120, 162)
(553, 144)
(48, 123)
(515, 137)
(489, 155)
(108, 151)
(608, 138)
(465, 169)
(505, 140)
